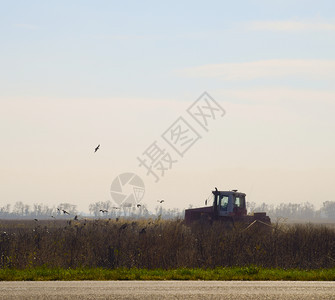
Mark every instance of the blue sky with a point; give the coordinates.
(90, 49)
(77, 73)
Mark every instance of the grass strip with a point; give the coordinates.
(234, 273)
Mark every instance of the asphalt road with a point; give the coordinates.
(166, 290)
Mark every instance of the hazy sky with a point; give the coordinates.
(74, 74)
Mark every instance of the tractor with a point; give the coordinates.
(228, 207)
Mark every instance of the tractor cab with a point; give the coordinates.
(229, 203)
(227, 206)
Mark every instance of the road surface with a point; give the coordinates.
(166, 290)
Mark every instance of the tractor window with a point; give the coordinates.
(224, 203)
(239, 202)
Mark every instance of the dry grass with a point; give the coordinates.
(158, 244)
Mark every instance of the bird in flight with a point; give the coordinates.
(138, 205)
(104, 211)
(96, 148)
(160, 201)
(65, 212)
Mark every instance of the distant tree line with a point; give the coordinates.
(106, 209)
(100, 209)
(294, 211)
(21, 210)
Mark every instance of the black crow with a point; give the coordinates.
(124, 226)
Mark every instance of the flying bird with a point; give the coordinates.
(138, 205)
(206, 202)
(104, 211)
(65, 212)
(160, 201)
(96, 148)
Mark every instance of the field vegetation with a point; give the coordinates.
(232, 273)
(153, 244)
